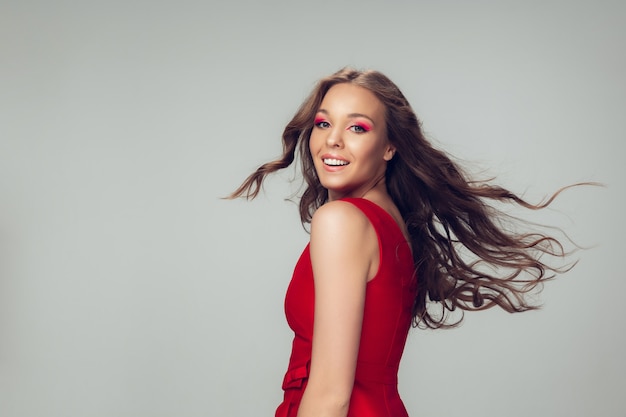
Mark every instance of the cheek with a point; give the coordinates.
(314, 141)
(374, 153)
(366, 150)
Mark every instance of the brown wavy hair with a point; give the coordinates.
(466, 253)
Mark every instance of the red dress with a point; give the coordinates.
(386, 321)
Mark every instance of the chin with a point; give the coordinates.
(334, 187)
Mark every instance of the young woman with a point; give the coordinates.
(396, 228)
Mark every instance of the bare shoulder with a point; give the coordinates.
(344, 246)
(340, 216)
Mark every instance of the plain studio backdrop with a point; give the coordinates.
(129, 288)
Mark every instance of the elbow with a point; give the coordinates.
(325, 400)
(336, 405)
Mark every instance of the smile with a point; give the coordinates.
(334, 162)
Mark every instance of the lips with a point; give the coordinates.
(333, 160)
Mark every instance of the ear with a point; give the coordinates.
(389, 153)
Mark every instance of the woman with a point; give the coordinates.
(393, 224)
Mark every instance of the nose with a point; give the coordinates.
(334, 140)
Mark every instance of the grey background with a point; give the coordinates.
(128, 288)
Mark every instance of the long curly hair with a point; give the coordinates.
(465, 252)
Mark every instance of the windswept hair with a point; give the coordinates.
(464, 253)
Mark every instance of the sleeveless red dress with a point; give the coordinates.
(386, 321)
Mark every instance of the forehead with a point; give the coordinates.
(350, 98)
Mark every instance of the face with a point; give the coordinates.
(349, 143)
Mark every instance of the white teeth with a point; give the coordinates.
(335, 162)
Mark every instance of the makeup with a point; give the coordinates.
(364, 126)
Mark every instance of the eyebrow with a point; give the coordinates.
(351, 115)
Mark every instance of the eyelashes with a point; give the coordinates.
(358, 127)
(321, 122)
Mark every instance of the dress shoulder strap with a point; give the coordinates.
(382, 221)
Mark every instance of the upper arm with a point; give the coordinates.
(344, 252)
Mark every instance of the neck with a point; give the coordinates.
(376, 186)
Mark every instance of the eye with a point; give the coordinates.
(321, 123)
(359, 128)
